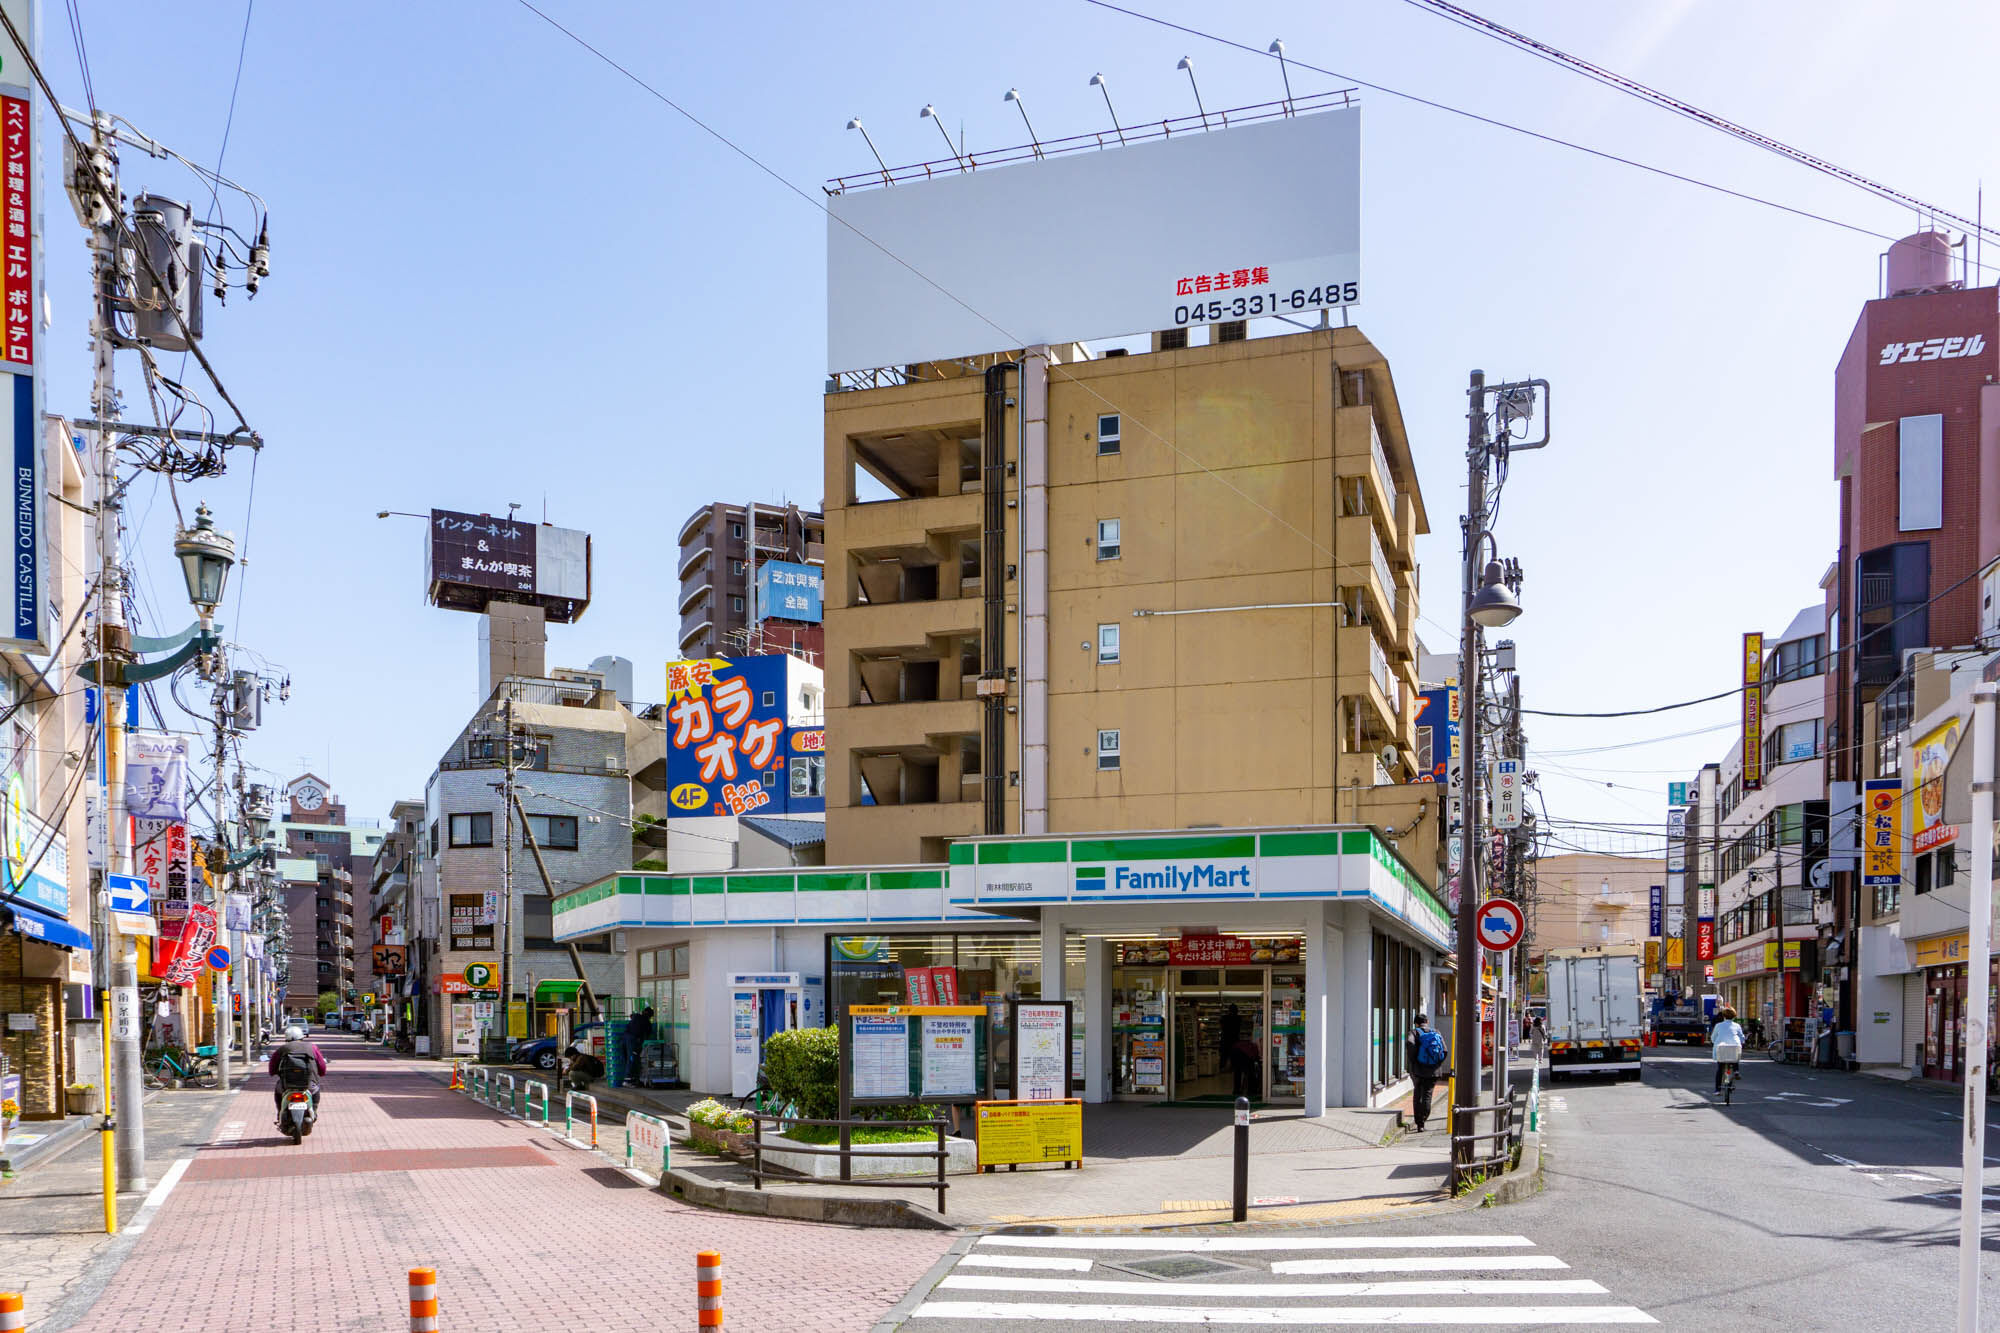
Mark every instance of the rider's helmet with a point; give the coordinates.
(295, 1033)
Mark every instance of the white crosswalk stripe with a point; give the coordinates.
(1252, 1281)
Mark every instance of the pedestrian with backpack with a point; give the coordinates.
(1428, 1058)
(296, 1064)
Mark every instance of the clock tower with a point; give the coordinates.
(312, 801)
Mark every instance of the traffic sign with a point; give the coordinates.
(218, 958)
(129, 893)
(368, 1000)
(1499, 924)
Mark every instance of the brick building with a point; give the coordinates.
(322, 857)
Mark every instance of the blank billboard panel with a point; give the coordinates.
(1255, 220)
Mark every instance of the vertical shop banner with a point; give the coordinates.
(726, 744)
(1704, 940)
(197, 935)
(1677, 841)
(1882, 831)
(156, 775)
(1814, 866)
(1934, 753)
(1677, 793)
(20, 286)
(1653, 896)
(236, 911)
(917, 985)
(1506, 793)
(1753, 712)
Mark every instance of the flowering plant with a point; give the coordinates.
(715, 1115)
(10, 1109)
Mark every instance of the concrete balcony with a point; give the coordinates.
(903, 523)
(902, 624)
(889, 726)
(1364, 564)
(1365, 676)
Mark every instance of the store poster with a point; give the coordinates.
(949, 1070)
(881, 1059)
(1041, 1051)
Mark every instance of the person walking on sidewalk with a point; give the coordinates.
(1427, 1057)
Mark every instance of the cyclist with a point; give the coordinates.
(1726, 1041)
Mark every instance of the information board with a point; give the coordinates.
(1041, 1050)
(1014, 1132)
(949, 1069)
(881, 1059)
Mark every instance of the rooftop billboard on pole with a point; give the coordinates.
(1201, 227)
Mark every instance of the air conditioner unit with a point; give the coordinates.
(618, 941)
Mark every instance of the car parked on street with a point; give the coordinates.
(543, 1052)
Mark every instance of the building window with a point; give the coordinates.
(1892, 611)
(1920, 473)
(1107, 643)
(1232, 331)
(808, 775)
(472, 830)
(556, 833)
(736, 605)
(1107, 433)
(1172, 340)
(738, 566)
(1108, 751)
(1947, 868)
(1888, 899)
(434, 839)
(1796, 660)
(1108, 538)
(1792, 742)
(468, 930)
(768, 699)
(1923, 874)
(736, 531)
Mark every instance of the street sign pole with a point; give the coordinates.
(1972, 1177)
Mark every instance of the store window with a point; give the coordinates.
(986, 968)
(468, 931)
(663, 983)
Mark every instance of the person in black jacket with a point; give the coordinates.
(1424, 1053)
(637, 1033)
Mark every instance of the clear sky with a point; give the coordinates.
(500, 272)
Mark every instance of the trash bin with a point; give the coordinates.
(1844, 1044)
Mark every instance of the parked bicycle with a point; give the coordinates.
(171, 1067)
(1792, 1050)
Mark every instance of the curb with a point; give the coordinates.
(691, 1187)
(52, 1144)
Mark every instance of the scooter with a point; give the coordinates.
(296, 1119)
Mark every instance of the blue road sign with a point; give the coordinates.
(129, 893)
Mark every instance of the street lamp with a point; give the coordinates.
(206, 557)
(1014, 96)
(1097, 81)
(1494, 605)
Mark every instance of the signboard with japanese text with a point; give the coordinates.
(1677, 841)
(910, 271)
(164, 854)
(471, 557)
(1814, 866)
(1506, 793)
(1882, 831)
(1041, 1049)
(787, 591)
(881, 1056)
(728, 751)
(1011, 1133)
(1653, 896)
(1933, 756)
(1677, 793)
(1753, 712)
(1209, 951)
(1704, 940)
(21, 287)
(190, 954)
(1437, 733)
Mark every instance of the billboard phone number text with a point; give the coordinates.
(1268, 303)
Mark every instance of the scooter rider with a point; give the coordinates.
(296, 1064)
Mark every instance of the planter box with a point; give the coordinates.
(81, 1102)
(964, 1159)
(723, 1139)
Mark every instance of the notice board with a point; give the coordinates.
(1014, 1132)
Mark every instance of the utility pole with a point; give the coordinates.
(225, 1007)
(505, 1014)
(1971, 1190)
(1465, 1000)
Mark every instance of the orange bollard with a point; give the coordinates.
(13, 1312)
(423, 1300)
(708, 1288)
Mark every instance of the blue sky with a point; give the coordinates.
(500, 272)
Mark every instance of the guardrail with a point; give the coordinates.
(1512, 1121)
(569, 1116)
(652, 1134)
(528, 1101)
(481, 1085)
(513, 1093)
(846, 1153)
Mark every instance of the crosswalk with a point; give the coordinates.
(1264, 1281)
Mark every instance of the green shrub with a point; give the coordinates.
(328, 1002)
(650, 863)
(803, 1066)
(822, 1134)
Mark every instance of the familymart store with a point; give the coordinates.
(1284, 963)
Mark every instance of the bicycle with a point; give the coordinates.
(1788, 1050)
(1728, 1081)
(174, 1068)
(1728, 1057)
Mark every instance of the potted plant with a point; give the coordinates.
(713, 1124)
(82, 1098)
(10, 1114)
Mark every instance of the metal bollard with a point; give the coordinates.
(528, 1101)
(423, 1300)
(708, 1288)
(14, 1312)
(569, 1116)
(1239, 1206)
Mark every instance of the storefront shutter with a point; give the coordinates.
(1913, 1020)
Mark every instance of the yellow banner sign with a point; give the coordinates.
(1675, 952)
(1933, 757)
(1942, 951)
(1015, 1132)
(1753, 712)
(1652, 956)
(1744, 962)
(1882, 831)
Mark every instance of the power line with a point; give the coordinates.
(1497, 123)
(1465, 18)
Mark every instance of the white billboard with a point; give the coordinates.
(1254, 220)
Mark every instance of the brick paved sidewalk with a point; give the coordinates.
(521, 1227)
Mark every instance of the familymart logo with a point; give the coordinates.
(1170, 878)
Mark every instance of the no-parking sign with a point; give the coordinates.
(1499, 924)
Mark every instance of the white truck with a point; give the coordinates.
(1597, 1011)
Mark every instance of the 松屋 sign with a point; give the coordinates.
(1932, 349)
(1882, 831)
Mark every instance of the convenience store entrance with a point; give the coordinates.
(1206, 1034)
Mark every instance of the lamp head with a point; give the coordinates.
(1097, 81)
(928, 113)
(1013, 95)
(206, 557)
(1187, 63)
(854, 124)
(1495, 605)
(1278, 47)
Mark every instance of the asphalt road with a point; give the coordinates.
(1815, 1201)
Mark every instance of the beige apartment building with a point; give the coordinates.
(1169, 589)
(1592, 898)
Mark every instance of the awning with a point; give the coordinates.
(45, 926)
(555, 989)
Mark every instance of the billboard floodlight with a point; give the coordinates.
(1187, 63)
(1097, 82)
(1278, 50)
(856, 124)
(930, 113)
(1034, 142)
